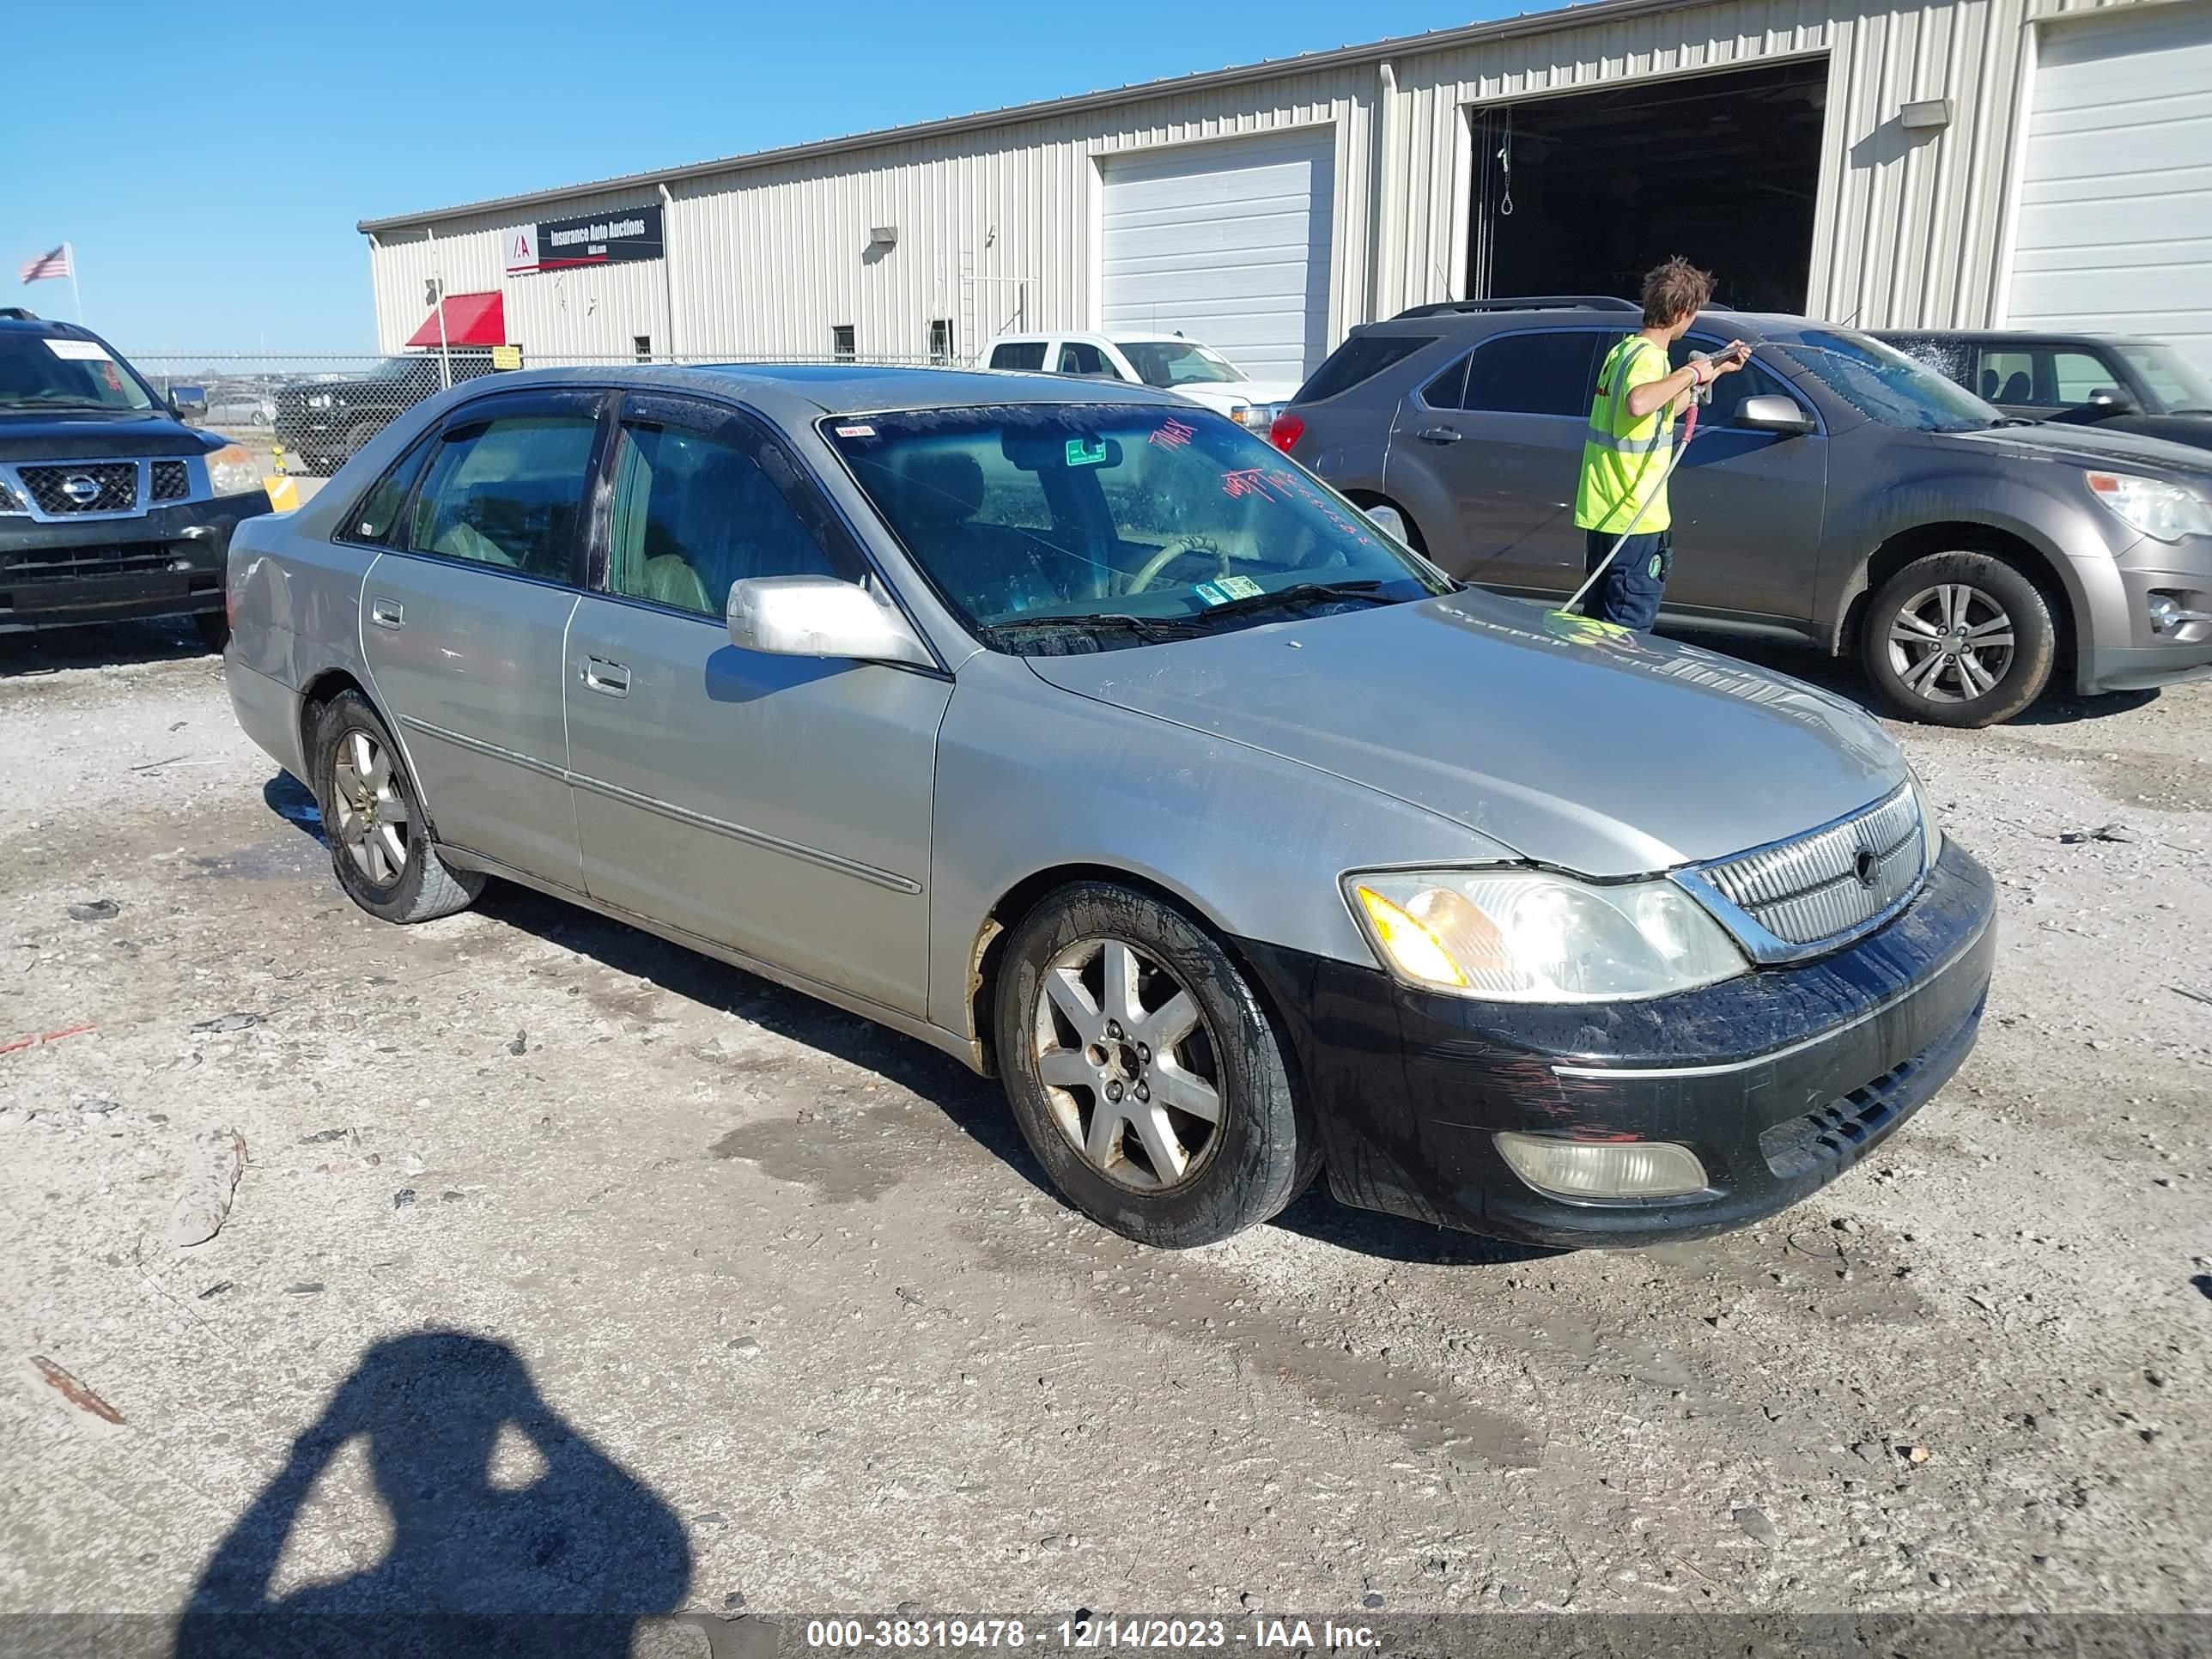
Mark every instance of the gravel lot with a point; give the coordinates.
(777, 1315)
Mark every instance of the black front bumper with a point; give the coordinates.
(1779, 1080)
(166, 561)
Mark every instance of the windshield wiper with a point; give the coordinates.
(29, 404)
(1296, 594)
(1120, 622)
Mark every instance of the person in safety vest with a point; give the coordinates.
(1626, 454)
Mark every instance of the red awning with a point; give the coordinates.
(471, 319)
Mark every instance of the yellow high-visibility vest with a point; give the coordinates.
(1624, 477)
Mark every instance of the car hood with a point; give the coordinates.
(93, 437)
(1607, 756)
(2086, 446)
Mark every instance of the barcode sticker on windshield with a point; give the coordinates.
(1237, 587)
(78, 351)
(856, 432)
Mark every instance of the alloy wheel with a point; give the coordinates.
(1128, 1064)
(1951, 642)
(373, 817)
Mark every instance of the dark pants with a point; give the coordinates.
(1628, 593)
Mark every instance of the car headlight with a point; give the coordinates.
(2164, 512)
(1255, 417)
(232, 472)
(1531, 936)
(1931, 833)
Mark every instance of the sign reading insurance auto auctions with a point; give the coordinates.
(604, 239)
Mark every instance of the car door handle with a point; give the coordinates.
(609, 678)
(388, 613)
(1437, 434)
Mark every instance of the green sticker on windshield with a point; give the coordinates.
(1086, 452)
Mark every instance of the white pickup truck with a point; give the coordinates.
(1169, 361)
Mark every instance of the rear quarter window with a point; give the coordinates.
(1023, 354)
(1359, 359)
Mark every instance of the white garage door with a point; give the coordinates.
(1228, 242)
(2115, 224)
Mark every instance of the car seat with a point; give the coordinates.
(1989, 385)
(2017, 388)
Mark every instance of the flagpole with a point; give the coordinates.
(69, 251)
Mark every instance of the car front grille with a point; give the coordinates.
(171, 482)
(114, 487)
(1833, 882)
(54, 563)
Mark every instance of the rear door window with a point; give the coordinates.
(507, 491)
(1019, 354)
(1546, 374)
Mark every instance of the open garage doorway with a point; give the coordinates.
(1584, 193)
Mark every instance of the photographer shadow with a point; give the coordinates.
(566, 1564)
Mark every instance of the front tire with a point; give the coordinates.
(1145, 1073)
(379, 844)
(1959, 638)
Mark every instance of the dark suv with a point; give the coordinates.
(322, 422)
(2085, 380)
(1837, 492)
(110, 506)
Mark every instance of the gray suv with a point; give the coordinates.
(1837, 493)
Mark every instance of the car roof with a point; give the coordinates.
(800, 391)
(1777, 325)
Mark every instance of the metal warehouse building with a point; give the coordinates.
(1959, 163)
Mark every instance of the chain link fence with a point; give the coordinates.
(308, 413)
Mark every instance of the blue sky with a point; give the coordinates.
(208, 162)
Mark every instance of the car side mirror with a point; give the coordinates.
(2111, 400)
(820, 616)
(189, 402)
(1772, 412)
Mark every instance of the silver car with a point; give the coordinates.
(1074, 730)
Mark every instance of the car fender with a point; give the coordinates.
(1032, 779)
(2010, 500)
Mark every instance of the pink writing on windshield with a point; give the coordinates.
(1174, 433)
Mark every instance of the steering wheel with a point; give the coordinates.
(1149, 572)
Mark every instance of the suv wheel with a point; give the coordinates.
(1959, 638)
(1145, 1073)
(379, 846)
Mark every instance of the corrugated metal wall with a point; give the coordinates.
(999, 225)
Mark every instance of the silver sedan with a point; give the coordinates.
(1076, 732)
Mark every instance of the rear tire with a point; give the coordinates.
(1164, 1110)
(213, 628)
(380, 841)
(1959, 638)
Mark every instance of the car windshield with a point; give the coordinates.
(42, 371)
(1177, 363)
(2180, 387)
(1885, 384)
(1059, 528)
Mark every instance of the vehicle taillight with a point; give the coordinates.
(1286, 431)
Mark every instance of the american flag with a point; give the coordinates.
(55, 264)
